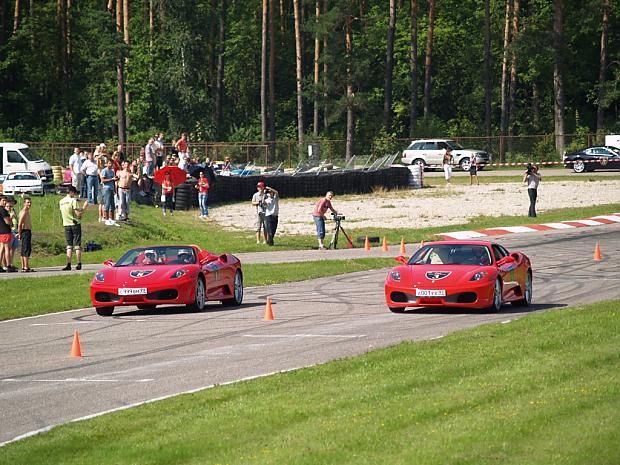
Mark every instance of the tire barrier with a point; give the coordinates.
(233, 188)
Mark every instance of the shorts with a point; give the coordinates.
(259, 222)
(5, 238)
(26, 243)
(14, 241)
(108, 199)
(73, 235)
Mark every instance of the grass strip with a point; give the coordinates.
(49, 294)
(543, 389)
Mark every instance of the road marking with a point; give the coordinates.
(78, 380)
(69, 323)
(346, 336)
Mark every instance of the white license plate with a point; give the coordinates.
(430, 292)
(132, 290)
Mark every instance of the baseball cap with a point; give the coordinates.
(260, 184)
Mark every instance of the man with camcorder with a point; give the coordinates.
(532, 179)
(318, 214)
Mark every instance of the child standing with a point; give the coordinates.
(167, 191)
(203, 195)
(24, 234)
(473, 173)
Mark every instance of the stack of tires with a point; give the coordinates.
(58, 172)
(185, 196)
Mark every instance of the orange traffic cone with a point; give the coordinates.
(384, 246)
(366, 244)
(403, 251)
(268, 310)
(597, 252)
(76, 351)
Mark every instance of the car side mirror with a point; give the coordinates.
(508, 259)
(223, 258)
(109, 263)
(401, 259)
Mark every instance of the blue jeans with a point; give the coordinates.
(108, 199)
(320, 226)
(92, 188)
(202, 202)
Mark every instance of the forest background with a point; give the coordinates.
(365, 72)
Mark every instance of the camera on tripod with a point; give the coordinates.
(338, 217)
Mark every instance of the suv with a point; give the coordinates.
(429, 153)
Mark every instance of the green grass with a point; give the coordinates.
(49, 294)
(149, 227)
(541, 390)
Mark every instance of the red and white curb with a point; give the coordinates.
(594, 221)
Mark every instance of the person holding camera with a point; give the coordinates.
(258, 200)
(272, 209)
(71, 213)
(318, 214)
(532, 179)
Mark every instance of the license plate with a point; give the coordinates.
(132, 290)
(430, 292)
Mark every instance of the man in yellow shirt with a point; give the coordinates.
(71, 220)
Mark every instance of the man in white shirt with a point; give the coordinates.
(91, 172)
(75, 163)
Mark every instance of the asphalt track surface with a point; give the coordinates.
(137, 356)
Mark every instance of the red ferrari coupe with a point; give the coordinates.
(177, 275)
(471, 274)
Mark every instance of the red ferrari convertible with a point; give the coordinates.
(471, 274)
(177, 275)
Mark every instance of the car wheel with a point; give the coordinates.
(465, 164)
(419, 161)
(497, 297)
(237, 292)
(104, 311)
(397, 309)
(579, 166)
(199, 296)
(527, 292)
(146, 307)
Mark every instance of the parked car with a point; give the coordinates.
(23, 182)
(429, 153)
(591, 158)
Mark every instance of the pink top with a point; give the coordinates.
(321, 207)
(167, 187)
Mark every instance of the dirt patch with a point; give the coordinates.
(427, 207)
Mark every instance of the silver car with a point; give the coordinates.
(429, 153)
(23, 182)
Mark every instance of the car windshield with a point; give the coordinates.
(154, 256)
(452, 254)
(30, 154)
(454, 145)
(22, 177)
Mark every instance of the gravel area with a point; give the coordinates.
(418, 208)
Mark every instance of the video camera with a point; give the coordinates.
(529, 169)
(338, 217)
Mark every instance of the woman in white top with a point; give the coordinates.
(532, 179)
(447, 164)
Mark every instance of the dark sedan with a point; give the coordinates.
(591, 158)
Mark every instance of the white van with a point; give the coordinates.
(19, 157)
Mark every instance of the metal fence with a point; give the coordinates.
(289, 154)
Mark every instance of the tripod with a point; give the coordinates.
(334, 242)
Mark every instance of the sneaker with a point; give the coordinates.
(78, 266)
(258, 242)
(67, 268)
(2, 270)
(164, 213)
(12, 269)
(100, 219)
(108, 222)
(322, 248)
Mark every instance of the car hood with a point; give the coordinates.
(137, 276)
(440, 275)
(23, 183)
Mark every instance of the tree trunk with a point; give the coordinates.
(263, 73)
(282, 19)
(389, 69)
(317, 56)
(429, 59)
(600, 109)
(219, 84)
(413, 69)
(126, 42)
(325, 76)
(350, 95)
(272, 77)
(513, 75)
(558, 82)
(120, 79)
(16, 15)
(504, 85)
(151, 26)
(487, 73)
(299, 76)
(61, 10)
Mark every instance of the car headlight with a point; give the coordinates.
(178, 274)
(100, 277)
(395, 275)
(479, 275)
